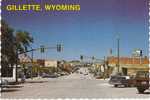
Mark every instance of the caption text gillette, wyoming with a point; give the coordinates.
(41, 6)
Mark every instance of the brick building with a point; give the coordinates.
(128, 60)
(129, 65)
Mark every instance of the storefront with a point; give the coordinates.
(131, 70)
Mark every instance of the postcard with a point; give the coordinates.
(59, 49)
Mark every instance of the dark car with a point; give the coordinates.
(142, 81)
(64, 73)
(118, 80)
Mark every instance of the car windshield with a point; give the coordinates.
(121, 78)
(118, 77)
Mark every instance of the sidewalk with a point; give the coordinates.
(29, 80)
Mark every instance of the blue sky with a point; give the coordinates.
(91, 31)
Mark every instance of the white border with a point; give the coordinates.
(0, 46)
(149, 36)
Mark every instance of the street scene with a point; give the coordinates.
(97, 51)
(75, 85)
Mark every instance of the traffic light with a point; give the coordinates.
(42, 48)
(81, 57)
(59, 47)
(141, 53)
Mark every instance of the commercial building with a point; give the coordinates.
(50, 63)
(129, 65)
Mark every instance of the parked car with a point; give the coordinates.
(49, 75)
(85, 73)
(118, 80)
(132, 82)
(142, 81)
(99, 77)
(64, 73)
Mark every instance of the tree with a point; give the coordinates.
(23, 40)
(12, 44)
(8, 50)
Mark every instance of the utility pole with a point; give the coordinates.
(118, 54)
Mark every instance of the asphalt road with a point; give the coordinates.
(75, 85)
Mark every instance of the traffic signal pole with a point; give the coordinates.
(59, 48)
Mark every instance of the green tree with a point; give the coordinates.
(23, 40)
(7, 50)
(12, 44)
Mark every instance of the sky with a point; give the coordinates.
(92, 31)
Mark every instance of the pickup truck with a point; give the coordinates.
(142, 81)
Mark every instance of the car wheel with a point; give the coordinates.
(115, 85)
(140, 90)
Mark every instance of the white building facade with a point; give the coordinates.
(50, 63)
